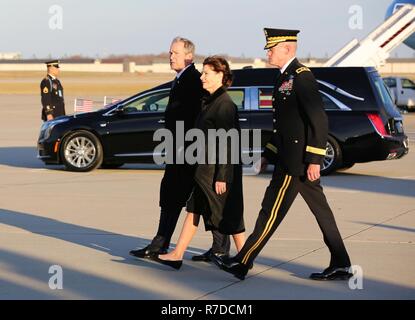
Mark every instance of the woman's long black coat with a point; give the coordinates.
(224, 212)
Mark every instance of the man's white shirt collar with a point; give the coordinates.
(286, 65)
(54, 78)
(181, 72)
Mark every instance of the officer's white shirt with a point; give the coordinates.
(286, 65)
(54, 78)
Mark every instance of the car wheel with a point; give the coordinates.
(333, 158)
(81, 151)
(111, 165)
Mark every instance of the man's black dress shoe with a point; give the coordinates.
(204, 257)
(175, 264)
(220, 259)
(147, 252)
(332, 274)
(230, 265)
(208, 256)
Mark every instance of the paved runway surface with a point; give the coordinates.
(87, 222)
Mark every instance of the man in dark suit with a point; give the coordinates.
(177, 184)
(51, 90)
(297, 148)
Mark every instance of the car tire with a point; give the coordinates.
(111, 165)
(81, 151)
(346, 166)
(333, 159)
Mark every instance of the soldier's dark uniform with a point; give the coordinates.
(52, 95)
(300, 129)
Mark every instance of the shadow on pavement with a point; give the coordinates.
(22, 157)
(112, 243)
(214, 283)
(26, 157)
(360, 182)
(31, 276)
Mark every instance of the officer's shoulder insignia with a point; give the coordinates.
(302, 69)
(45, 90)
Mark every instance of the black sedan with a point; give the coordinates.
(364, 123)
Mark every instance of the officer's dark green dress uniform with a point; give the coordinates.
(300, 129)
(52, 95)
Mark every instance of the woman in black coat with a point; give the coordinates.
(217, 195)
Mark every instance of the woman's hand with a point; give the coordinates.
(220, 187)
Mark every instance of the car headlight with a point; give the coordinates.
(48, 126)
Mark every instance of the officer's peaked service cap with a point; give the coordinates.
(275, 36)
(52, 63)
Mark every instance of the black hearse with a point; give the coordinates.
(364, 124)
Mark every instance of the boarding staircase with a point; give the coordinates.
(377, 46)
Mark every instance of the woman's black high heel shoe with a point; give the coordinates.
(175, 264)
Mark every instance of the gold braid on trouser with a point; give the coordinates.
(271, 219)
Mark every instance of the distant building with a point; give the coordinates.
(10, 55)
(13, 62)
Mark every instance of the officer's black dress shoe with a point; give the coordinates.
(175, 264)
(332, 274)
(147, 252)
(230, 265)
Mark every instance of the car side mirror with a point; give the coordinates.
(124, 111)
(119, 111)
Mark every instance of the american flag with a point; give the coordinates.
(265, 100)
(109, 100)
(83, 105)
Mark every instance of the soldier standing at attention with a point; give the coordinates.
(296, 148)
(51, 90)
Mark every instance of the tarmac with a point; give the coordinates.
(84, 224)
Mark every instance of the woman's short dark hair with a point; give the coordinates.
(219, 64)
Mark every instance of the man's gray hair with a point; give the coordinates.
(189, 46)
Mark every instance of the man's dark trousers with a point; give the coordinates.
(278, 199)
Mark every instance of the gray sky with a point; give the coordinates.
(102, 27)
